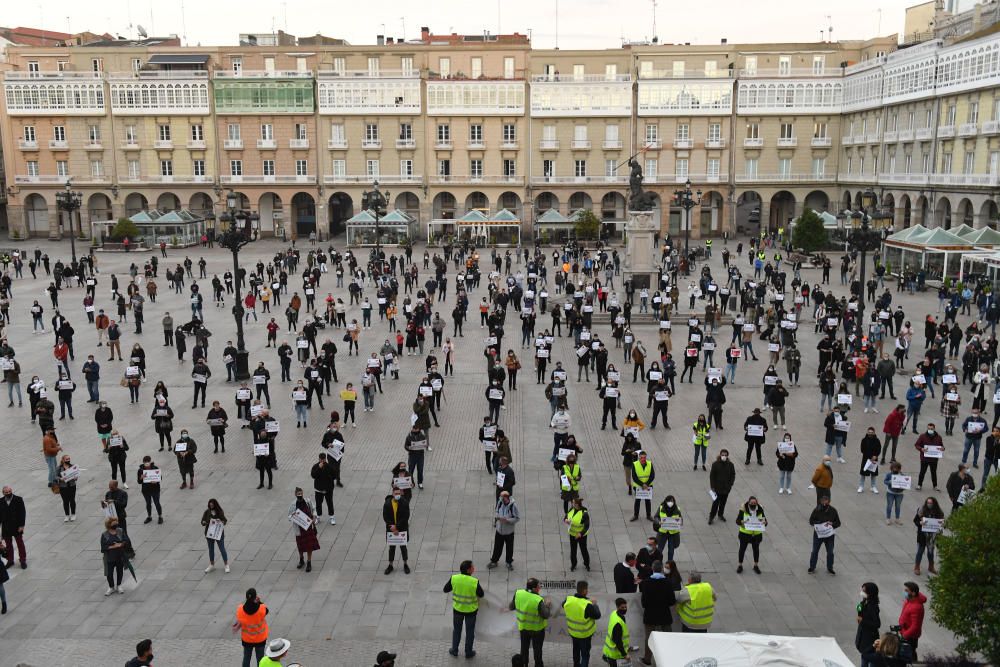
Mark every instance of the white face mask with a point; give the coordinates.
(724, 457)
(396, 496)
(670, 504)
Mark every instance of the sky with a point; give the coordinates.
(568, 24)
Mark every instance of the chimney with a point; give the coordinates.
(425, 33)
(380, 40)
(388, 40)
(724, 41)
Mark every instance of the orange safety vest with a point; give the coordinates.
(253, 628)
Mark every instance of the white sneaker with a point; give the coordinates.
(227, 567)
(333, 522)
(780, 490)
(841, 460)
(866, 410)
(124, 485)
(209, 569)
(874, 490)
(788, 491)
(811, 486)
(120, 590)
(65, 519)
(109, 592)
(888, 522)
(72, 517)
(861, 489)
(875, 410)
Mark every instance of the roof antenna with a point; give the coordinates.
(557, 24)
(654, 21)
(183, 25)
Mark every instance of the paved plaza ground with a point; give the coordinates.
(346, 610)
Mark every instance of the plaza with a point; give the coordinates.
(346, 609)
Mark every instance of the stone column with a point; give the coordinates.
(640, 262)
(54, 220)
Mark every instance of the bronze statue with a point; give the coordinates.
(639, 200)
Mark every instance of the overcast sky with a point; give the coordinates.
(581, 23)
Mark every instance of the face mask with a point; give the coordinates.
(724, 457)
(863, 595)
(826, 463)
(670, 504)
(396, 497)
(753, 507)
(930, 431)
(650, 547)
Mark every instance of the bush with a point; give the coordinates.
(586, 224)
(124, 228)
(966, 599)
(809, 233)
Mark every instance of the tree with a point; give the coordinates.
(586, 224)
(124, 228)
(809, 233)
(966, 599)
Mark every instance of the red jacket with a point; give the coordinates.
(911, 619)
(894, 423)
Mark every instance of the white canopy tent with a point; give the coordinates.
(745, 649)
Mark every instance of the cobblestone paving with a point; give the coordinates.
(346, 609)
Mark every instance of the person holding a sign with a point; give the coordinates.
(973, 427)
(396, 515)
(415, 445)
(119, 499)
(825, 521)
(928, 520)
(115, 546)
(218, 423)
(870, 448)
(752, 524)
(754, 428)
(67, 474)
(896, 483)
(611, 396)
(643, 475)
(668, 526)
(200, 374)
(214, 520)
(148, 477)
(931, 448)
(324, 480)
(506, 515)
(116, 450)
(960, 486)
(495, 399)
(185, 450)
(836, 432)
(303, 515)
(951, 400)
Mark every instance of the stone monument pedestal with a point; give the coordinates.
(640, 265)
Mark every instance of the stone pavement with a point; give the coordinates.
(346, 609)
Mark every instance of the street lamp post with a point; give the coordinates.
(685, 200)
(234, 238)
(70, 202)
(864, 239)
(377, 202)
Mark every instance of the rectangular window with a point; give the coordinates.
(339, 168)
(652, 134)
(62, 65)
(907, 164)
(713, 167)
(301, 167)
(406, 168)
(850, 163)
(96, 169)
(909, 121)
(444, 168)
(510, 168)
(475, 133)
(372, 169)
(786, 131)
(237, 64)
(33, 67)
(750, 65)
(166, 167)
(610, 168)
(509, 133)
(645, 69)
(680, 167)
(406, 64)
(59, 133)
(198, 167)
(268, 63)
(950, 115)
(444, 133)
(267, 132)
(652, 167)
(62, 168)
(969, 166)
(339, 65)
(714, 131)
(475, 168)
(785, 167)
(405, 132)
(337, 133)
(444, 67)
(819, 166)
(268, 167)
(301, 65)
(925, 163)
(134, 171)
(94, 134)
(820, 130)
(233, 131)
(579, 133)
(994, 163)
(131, 136)
(946, 163)
(371, 132)
(32, 167)
(819, 64)
(611, 72)
(236, 167)
(197, 133)
(548, 168)
(678, 69)
(610, 133)
(711, 68)
(549, 71)
(300, 131)
(784, 65)
(973, 116)
(96, 65)
(579, 72)
(508, 67)
(476, 69)
(928, 118)
(683, 132)
(580, 168)
(750, 167)
(892, 163)
(548, 133)
(136, 64)
(861, 165)
(753, 130)
(29, 133)
(163, 132)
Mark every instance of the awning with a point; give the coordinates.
(178, 59)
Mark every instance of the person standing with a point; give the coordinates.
(251, 621)
(116, 448)
(870, 448)
(13, 518)
(625, 580)
(751, 522)
(959, 483)
(974, 426)
(822, 478)
(892, 427)
(643, 475)
(185, 449)
(532, 612)
(990, 455)
(582, 614)
(911, 618)
(465, 592)
(657, 599)
(118, 498)
(396, 515)
(114, 546)
(200, 374)
(825, 521)
(868, 624)
(213, 517)
(149, 486)
(306, 540)
(616, 641)
(67, 488)
(696, 604)
(931, 448)
(92, 374)
(669, 536)
(506, 516)
(218, 422)
(323, 483)
(754, 428)
(578, 521)
(702, 434)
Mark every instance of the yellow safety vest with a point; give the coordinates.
(463, 593)
(662, 514)
(610, 650)
(575, 517)
(641, 472)
(573, 475)
(701, 435)
(697, 613)
(579, 626)
(708, 242)
(526, 609)
(746, 513)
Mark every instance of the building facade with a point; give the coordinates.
(451, 125)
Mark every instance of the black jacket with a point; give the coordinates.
(869, 625)
(12, 515)
(402, 519)
(624, 579)
(722, 476)
(323, 477)
(657, 599)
